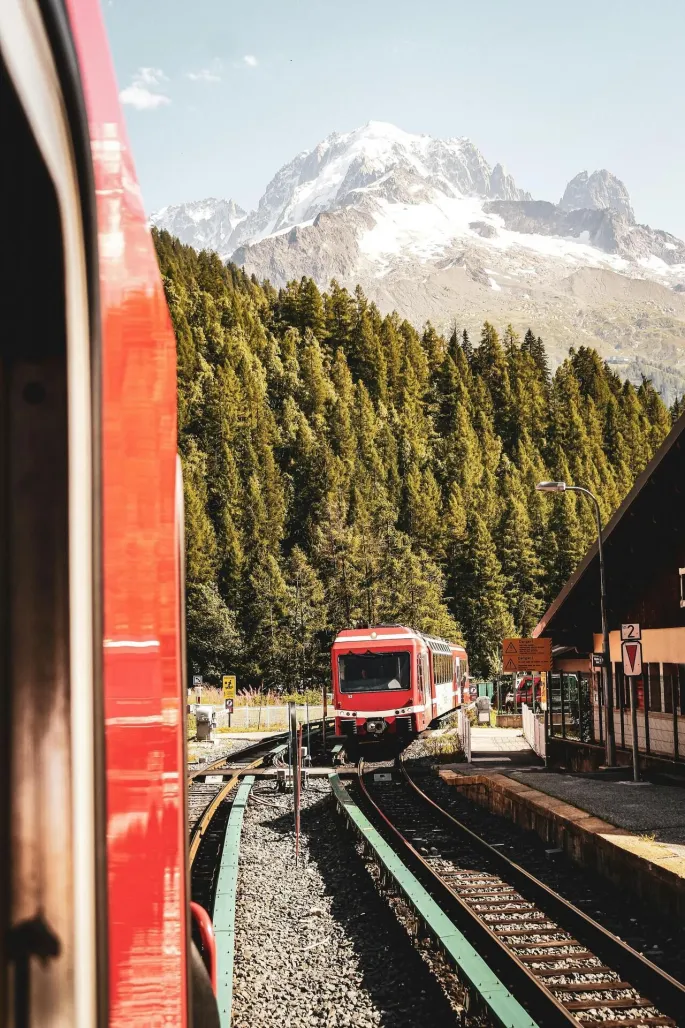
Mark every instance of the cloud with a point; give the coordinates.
(250, 60)
(212, 73)
(140, 95)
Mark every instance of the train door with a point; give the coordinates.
(53, 914)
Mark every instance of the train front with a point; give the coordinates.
(375, 688)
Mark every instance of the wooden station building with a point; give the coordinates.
(644, 554)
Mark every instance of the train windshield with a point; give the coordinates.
(373, 672)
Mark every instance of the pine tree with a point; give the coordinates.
(478, 586)
(340, 466)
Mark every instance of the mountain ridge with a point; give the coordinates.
(430, 227)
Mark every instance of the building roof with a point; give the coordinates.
(644, 548)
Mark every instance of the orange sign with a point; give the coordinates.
(527, 655)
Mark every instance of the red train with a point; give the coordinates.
(389, 680)
(94, 909)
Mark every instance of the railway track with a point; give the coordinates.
(208, 809)
(563, 966)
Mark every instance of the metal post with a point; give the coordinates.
(309, 737)
(296, 788)
(610, 742)
(606, 669)
(324, 711)
(633, 721)
(547, 733)
(609, 735)
(292, 736)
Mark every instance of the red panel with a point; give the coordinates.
(143, 704)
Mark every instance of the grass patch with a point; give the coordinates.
(212, 694)
(445, 749)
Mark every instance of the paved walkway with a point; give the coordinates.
(501, 748)
(645, 809)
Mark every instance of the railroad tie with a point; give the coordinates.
(607, 1004)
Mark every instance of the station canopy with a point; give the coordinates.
(644, 550)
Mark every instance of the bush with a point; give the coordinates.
(446, 749)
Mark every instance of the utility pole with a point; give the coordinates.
(609, 737)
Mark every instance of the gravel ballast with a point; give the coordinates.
(316, 944)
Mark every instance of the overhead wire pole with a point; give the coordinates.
(609, 735)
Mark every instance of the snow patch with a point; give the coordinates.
(425, 230)
(495, 285)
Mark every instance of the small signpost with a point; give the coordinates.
(598, 660)
(631, 631)
(197, 686)
(631, 652)
(228, 683)
(526, 655)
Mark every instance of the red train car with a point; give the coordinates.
(392, 680)
(94, 911)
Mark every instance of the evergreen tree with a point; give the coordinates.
(340, 466)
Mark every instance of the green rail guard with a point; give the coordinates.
(506, 1010)
(224, 902)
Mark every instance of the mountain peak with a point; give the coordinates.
(205, 224)
(599, 191)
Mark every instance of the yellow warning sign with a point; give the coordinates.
(228, 682)
(527, 655)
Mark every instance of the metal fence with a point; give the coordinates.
(266, 718)
(534, 730)
(465, 734)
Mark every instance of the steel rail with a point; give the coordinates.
(546, 1007)
(204, 822)
(222, 762)
(479, 980)
(664, 990)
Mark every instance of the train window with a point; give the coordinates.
(373, 672)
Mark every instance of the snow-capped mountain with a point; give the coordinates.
(429, 227)
(204, 224)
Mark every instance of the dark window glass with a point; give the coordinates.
(654, 671)
(373, 672)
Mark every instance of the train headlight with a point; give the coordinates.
(375, 726)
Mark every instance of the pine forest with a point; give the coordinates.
(342, 467)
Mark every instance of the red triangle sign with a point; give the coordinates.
(631, 650)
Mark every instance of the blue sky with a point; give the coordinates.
(218, 95)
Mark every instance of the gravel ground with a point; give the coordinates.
(212, 751)
(316, 944)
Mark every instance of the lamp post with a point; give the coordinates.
(610, 743)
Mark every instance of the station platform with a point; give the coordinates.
(501, 748)
(634, 834)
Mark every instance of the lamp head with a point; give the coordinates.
(551, 487)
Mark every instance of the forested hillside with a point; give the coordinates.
(342, 466)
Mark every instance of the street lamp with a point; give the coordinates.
(610, 744)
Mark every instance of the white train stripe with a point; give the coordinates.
(393, 711)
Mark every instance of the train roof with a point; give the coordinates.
(380, 633)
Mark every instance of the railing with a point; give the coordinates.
(534, 729)
(465, 734)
